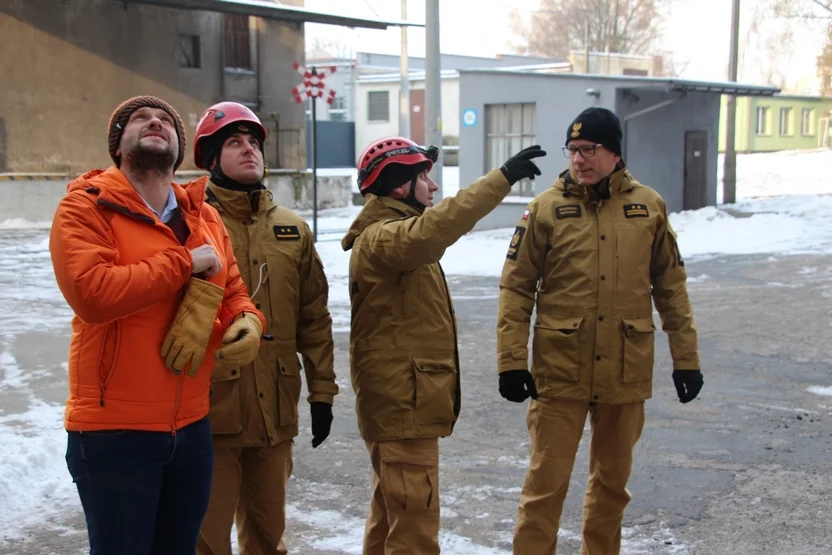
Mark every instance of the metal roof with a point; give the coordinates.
(278, 12)
(645, 83)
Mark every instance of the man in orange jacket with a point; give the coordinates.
(148, 269)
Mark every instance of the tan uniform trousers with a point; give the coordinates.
(404, 512)
(249, 483)
(555, 429)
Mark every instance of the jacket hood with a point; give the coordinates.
(111, 185)
(376, 209)
(241, 205)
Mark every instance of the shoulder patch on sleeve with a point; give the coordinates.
(516, 239)
(526, 214)
(635, 211)
(286, 233)
(568, 211)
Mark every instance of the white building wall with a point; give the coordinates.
(367, 131)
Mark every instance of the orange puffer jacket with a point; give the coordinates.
(123, 272)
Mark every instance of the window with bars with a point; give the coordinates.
(237, 37)
(378, 106)
(510, 128)
(189, 51)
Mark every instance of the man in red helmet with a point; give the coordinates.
(403, 352)
(254, 409)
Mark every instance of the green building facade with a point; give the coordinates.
(780, 122)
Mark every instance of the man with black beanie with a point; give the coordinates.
(588, 254)
(254, 408)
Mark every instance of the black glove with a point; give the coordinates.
(521, 166)
(517, 385)
(321, 422)
(688, 384)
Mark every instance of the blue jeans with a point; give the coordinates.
(143, 493)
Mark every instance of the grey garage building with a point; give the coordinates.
(670, 126)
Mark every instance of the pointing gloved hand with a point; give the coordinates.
(688, 384)
(520, 166)
(321, 422)
(241, 341)
(187, 339)
(517, 385)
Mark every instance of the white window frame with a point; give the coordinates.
(504, 137)
(786, 122)
(807, 121)
(762, 120)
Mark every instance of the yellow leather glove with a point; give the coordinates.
(188, 337)
(241, 341)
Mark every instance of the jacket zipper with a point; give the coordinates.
(458, 395)
(148, 220)
(112, 370)
(176, 403)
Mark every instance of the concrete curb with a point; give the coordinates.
(35, 177)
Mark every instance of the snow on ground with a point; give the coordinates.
(783, 208)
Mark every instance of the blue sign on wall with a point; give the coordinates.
(469, 117)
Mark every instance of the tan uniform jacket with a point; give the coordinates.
(258, 404)
(590, 268)
(403, 352)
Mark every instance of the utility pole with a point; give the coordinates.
(586, 43)
(404, 89)
(729, 167)
(433, 90)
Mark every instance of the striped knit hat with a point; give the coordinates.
(121, 114)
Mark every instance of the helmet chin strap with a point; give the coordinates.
(219, 177)
(411, 196)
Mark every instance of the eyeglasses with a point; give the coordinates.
(587, 151)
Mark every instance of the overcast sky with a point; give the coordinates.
(696, 31)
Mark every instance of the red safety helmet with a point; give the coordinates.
(220, 115)
(391, 150)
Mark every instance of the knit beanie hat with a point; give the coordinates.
(118, 120)
(599, 125)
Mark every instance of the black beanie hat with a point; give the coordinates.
(599, 125)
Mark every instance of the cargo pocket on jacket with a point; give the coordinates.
(638, 339)
(226, 413)
(555, 352)
(435, 391)
(288, 388)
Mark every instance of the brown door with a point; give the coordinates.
(696, 175)
(417, 116)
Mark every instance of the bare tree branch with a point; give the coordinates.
(825, 5)
(623, 26)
